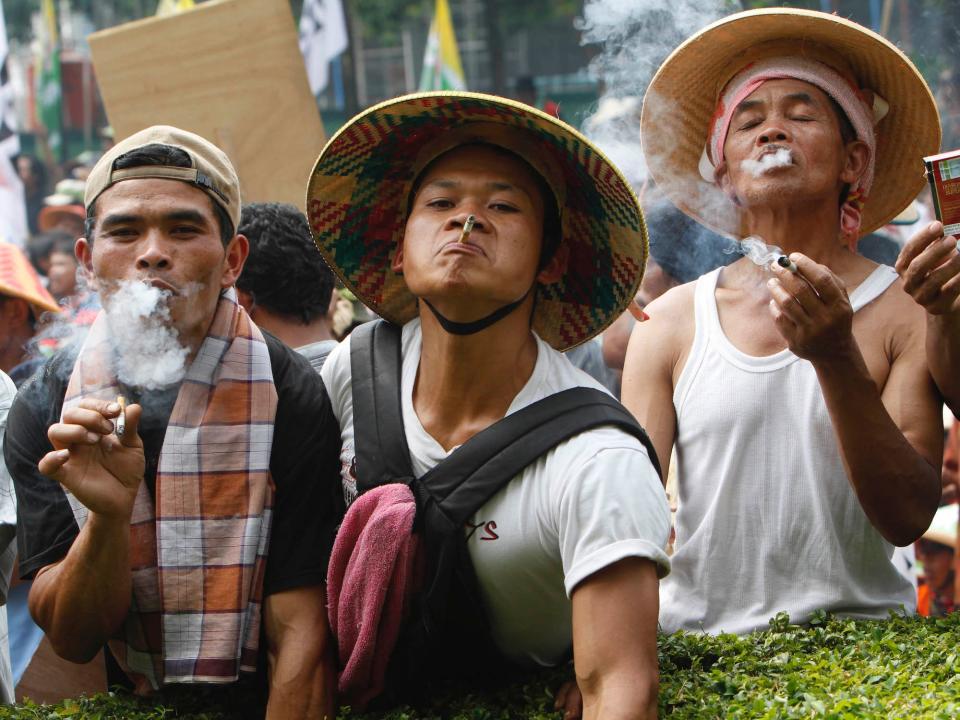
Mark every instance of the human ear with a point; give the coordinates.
(83, 250)
(235, 255)
(397, 264)
(721, 176)
(856, 159)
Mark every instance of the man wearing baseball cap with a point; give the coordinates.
(806, 424)
(190, 529)
(493, 237)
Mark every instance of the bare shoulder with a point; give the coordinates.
(669, 332)
(897, 319)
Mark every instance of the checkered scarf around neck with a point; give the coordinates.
(863, 108)
(198, 552)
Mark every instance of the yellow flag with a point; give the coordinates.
(441, 60)
(172, 7)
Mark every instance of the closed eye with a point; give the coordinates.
(440, 204)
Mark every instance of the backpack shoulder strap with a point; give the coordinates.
(474, 473)
(379, 438)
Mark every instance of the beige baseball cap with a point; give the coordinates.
(211, 169)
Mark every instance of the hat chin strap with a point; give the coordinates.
(471, 328)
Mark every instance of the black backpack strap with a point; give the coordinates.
(471, 475)
(382, 455)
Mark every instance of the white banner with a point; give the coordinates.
(323, 36)
(13, 212)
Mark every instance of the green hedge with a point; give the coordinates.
(835, 669)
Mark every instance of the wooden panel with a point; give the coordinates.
(229, 70)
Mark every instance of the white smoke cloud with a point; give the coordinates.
(635, 37)
(147, 349)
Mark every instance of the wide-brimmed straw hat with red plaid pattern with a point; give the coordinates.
(358, 193)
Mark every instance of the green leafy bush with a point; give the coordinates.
(833, 669)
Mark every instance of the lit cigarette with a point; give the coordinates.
(787, 264)
(467, 228)
(121, 422)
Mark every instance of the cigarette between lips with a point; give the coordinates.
(121, 422)
(467, 228)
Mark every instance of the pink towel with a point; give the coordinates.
(374, 571)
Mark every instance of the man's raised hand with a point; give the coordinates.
(811, 310)
(929, 265)
(101, 470)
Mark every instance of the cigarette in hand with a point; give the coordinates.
(787, 264)
(467, 228)
(121, 421)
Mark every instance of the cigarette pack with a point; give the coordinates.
(943, 172)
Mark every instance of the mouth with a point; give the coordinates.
(162, 285)
(467, 248)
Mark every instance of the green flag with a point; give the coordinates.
(47, 77)
(441, 59)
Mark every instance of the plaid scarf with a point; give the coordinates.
(198, 550)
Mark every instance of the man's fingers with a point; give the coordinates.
(107, 408)
(63, 436)
(51, 463)
(927, 262)
(917, 244)
(828, 286)
(798, 287)
(91, 420)
(787, 303)
(573, 707)
(560, 701)
(932, 287)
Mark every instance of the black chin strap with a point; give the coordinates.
(469, 328)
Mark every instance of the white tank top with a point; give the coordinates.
(767, 520)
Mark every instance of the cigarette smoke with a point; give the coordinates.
(147, 350)
(767, 162)
(758, 252)
(635, 37)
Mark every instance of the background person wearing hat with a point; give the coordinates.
(22, 300)
(807, 427)
(182, 555)
(568, 553)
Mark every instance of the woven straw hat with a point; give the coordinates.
(18, 279)
(682, 98)
(358, 192)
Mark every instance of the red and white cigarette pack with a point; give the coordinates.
(943, 172)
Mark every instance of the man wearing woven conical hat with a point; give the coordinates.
(806, 424)
(497, 236)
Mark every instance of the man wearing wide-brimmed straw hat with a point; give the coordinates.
(806, 424)
(568, 553)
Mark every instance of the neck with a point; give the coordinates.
(810, 228)
(466, 382)
(292, 332)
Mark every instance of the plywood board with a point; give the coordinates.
(229, 70)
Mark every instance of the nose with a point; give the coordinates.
(457, 220)
(154, 253)
(772, 134)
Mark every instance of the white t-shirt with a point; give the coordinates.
(588, 503)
